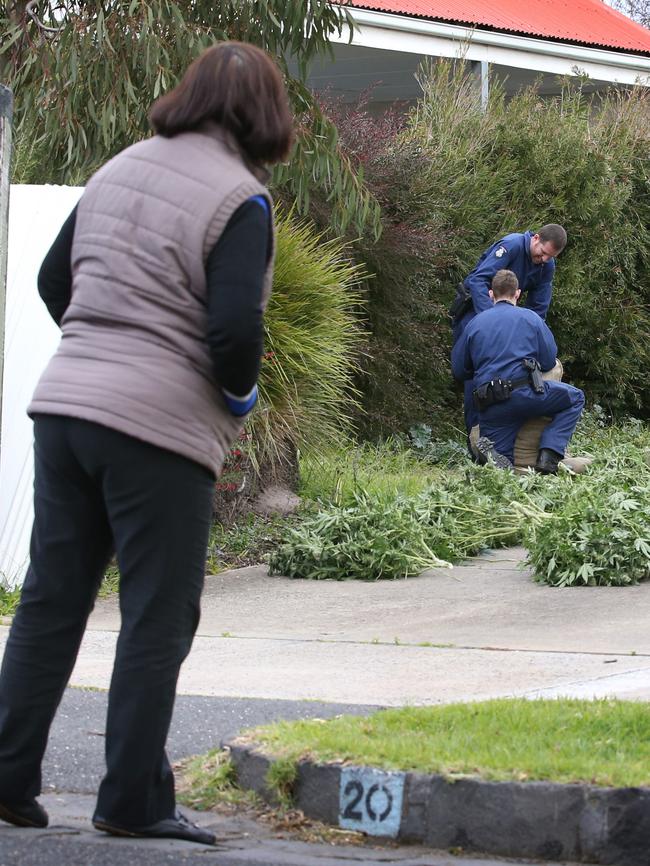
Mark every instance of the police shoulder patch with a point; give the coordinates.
(500, 251)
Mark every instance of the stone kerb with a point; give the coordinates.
(540, 820)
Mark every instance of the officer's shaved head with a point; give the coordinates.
(504, 284)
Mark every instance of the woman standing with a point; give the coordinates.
(158, 279)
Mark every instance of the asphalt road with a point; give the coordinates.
(74, 759)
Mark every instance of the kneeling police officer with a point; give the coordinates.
(504, 350)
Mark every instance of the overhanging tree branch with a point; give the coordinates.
(30, 9)
(85, 85)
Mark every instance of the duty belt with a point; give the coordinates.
(496, 391)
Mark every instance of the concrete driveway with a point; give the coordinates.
(480, 630)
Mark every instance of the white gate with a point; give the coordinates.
(36, 214)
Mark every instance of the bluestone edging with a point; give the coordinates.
(541, 820)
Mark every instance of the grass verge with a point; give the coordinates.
(604, 742)
(207, 782)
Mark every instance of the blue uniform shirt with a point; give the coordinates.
(495, 343)
(513, 253)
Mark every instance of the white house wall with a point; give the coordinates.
(36, 214)
(387, 32)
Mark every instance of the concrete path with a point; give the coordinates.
(480, 630)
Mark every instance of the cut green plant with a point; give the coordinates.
(388, 535)
(369, 540)
(605, 742)
(590, 529)
(599, 535)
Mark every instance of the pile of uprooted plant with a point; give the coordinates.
(591, 529)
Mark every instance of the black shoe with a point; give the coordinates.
(177, 827)
(26, 813)
(487, 451)
(547, 461)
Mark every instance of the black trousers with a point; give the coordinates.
(95, 491)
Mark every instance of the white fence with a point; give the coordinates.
(36, 214)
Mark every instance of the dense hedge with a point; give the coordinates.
(452, 179)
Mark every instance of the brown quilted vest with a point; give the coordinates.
(133, 354)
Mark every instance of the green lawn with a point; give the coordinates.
(379, 469)
(605, 742)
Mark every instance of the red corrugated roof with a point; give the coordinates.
(588, 22)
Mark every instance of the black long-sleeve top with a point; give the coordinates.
(235, 271)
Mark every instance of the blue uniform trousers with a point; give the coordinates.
(563, 403)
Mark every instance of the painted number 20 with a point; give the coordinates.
(372, 801)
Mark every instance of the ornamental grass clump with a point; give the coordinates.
(313, 336)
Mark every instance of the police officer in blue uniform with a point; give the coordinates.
(531, 256)
(503, 350)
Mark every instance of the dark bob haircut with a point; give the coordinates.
(238, 86)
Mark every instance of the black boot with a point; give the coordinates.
(24, 813)
(547, 461)
(486, 449)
